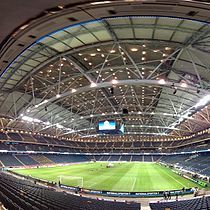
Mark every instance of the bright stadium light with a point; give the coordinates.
(205, 100)
(134, 49)
(93, 84)
(26, 118)
(114, 81)
(45, 101)
(59, 126)
(100, 2)
(30, 119)
(162, 81)
(37, 120)
(183, 84)
(48, 124)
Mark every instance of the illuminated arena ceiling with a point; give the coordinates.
(156, 67)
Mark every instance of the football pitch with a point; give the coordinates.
(129, 177)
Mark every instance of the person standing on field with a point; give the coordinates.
(164, 195)
(169, 195)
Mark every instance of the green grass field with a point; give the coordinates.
(130, 177)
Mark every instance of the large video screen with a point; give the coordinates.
(107, 125)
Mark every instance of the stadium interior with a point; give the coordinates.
(105, 105)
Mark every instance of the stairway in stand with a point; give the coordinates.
(43, 160)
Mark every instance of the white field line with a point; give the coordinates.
(133, 184)
(174, 178)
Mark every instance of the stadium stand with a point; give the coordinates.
(105, 158)
(113, 158)
(9, 160)
(40, 143)
(125, 158)
(67, 158)
(22, 194)
(14, 136)
(26, 160)
(117, 80)
(28, 138)
(136, 157)
(201, 203)
(147, 158)
(198, 163)
(41, 159)
(3, 136)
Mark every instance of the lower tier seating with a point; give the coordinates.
(202, 203)
(41, 159)
(22, 194)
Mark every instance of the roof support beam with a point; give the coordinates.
(79, 49)
(161, 63)
(91, 79)
(195, 67)
(137, 82)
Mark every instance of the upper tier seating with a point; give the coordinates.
(15, 136)
(44, 143)
(28, 138)
(3, 136)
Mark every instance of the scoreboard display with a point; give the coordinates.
(107, 125)
(110, 127)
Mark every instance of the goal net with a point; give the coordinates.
(74, 181)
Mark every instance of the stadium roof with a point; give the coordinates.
(66, 67)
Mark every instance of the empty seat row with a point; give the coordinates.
(23, 194)
(201, 203)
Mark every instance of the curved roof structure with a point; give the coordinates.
(73, 65)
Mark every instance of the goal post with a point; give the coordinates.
(74, 181)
